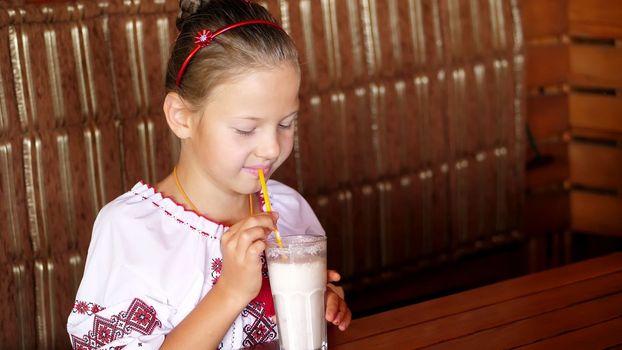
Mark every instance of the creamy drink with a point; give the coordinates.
(298, 282)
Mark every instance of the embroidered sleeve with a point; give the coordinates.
(120, 303)
(126, 326)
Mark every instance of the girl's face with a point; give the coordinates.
(247, 124)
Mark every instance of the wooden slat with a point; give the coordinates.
(539, 74)
(596, 213)
(552, 168)
(596, 166)
(596, 18)
(596, 112)
(603, 135)
(544, 326)
(595, 66)
(534, 11)
(599, 336)
(547, 115)
(478, 298)
(494, 315)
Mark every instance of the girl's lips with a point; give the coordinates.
(255, 171)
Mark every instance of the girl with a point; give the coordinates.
(181, 266)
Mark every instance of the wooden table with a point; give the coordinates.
(577, 306)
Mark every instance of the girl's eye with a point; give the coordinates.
(245, 132)
(287, 124)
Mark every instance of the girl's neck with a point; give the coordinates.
(210, 200)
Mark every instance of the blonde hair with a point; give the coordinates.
(232, 53)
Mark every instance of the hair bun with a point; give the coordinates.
(188, 8)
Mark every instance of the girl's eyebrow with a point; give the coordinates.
(291, 114)
(257, 118)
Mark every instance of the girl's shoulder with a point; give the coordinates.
(283, 197)
(146, 213)
(295, 214)
(135, 202)
(278, 188)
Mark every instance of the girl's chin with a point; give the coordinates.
(250, 187)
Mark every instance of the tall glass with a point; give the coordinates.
(298, 281)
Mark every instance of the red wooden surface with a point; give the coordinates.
(579, 303)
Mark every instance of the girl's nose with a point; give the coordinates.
(269, 147)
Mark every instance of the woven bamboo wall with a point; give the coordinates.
(409, 147)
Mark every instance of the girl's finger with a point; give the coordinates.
(255, 249)
(338, 290)
(332, 306)
(231, 238)
(346, 320)
(262, 220)
(249, 237)
(343, 309)
(333, 276)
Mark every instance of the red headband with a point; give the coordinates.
(204, 38)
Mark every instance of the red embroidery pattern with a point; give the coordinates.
(264, 266)
(262, 201)
(140, 317)
(85, 308)
(178, 220)
(262, 330)
(265, 293)
(216, 269)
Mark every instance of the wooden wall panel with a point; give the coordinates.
(595, 18)
(573, 71)
(555, 13)
(546, 27)
(595, 66)
(595, 115)
(597, 112)
(546, 65)
(553, 169)
(596, 213)
(547, 115)
(596, 166)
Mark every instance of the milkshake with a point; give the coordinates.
(298, 281)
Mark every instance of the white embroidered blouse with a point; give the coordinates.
(151, 261)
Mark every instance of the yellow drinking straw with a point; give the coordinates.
(266, 199)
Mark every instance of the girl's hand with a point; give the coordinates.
(242, 246)
(337, 312)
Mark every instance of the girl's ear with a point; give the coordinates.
(178, 116)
